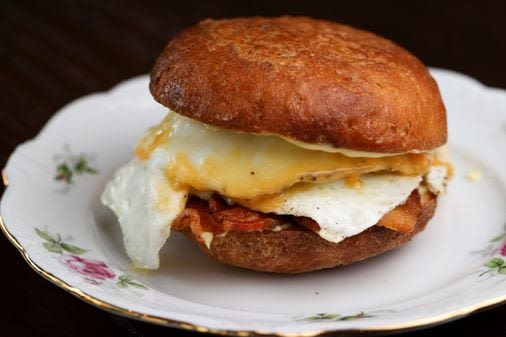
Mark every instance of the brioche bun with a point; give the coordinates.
(310, 80)
(299, 250)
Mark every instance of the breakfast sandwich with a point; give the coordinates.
(290, 144)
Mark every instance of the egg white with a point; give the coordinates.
(342, 211)
(146, 204)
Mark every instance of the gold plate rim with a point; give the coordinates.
(388, 328)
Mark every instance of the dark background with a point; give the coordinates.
(52, 52)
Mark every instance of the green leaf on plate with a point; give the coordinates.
(502, 270)
(499, 238)
(125, 278)
(121, 284)
(321, 317)
(73, 249)
(329, 316)
(53, 247)
(45, 235)
(137, 285)
(82, 167)
(63, 172)
(495, 262)
(361, 315)
(91, 170)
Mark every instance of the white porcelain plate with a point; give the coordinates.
(52, 214)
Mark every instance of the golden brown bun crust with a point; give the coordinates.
(297, 250)
(311, 80)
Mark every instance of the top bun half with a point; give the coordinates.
(310, 80)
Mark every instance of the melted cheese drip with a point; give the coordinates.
(246, 166)
(354, 181)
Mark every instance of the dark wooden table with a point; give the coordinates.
(52, 52)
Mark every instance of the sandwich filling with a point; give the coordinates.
(337, 193)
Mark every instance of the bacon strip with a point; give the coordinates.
(403, 218)
(217, 217)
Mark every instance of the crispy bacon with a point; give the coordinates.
(216, 216)
(403, 217)
(241, 219)
(307, 222)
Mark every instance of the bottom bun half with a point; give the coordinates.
(299, 250)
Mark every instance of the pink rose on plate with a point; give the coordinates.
(95, 271)
(503, 250)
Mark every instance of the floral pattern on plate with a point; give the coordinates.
(497, 250)
(94, 271)
(69, 165)
(334, 317)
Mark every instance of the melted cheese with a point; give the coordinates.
(241, 165)
(346, 152)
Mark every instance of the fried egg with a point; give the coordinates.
(265, 173)
(146, 203)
